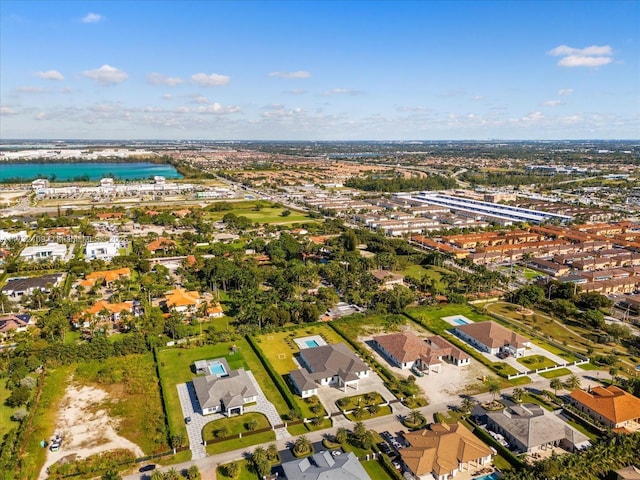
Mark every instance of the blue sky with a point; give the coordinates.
(320, 70)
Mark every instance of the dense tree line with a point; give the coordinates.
(401, 184)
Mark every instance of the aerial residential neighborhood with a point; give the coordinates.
(319, 240)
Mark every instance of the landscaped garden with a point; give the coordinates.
(175, 366)
(364, 400)
(534, 362)
(226, 427)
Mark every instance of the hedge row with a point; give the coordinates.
(277, 379)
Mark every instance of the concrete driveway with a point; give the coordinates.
(329, 395)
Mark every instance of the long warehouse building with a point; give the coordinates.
(490, 210)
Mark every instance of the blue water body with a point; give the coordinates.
(460, 321)
(491, 476)
(312, 343)
(217, 369)
(95, 171)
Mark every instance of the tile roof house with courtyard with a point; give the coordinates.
(161, 243)
(443, 450)
(182, 300)
(324, 466)
(407, 350)
(529, 428)
(328, 365)
(610, 405)
(493, 338)
(226, 391)
(108, 276)
(16, 288)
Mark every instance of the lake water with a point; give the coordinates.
(95, 171)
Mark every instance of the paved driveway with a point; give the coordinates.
(191, 408)
(329, 394)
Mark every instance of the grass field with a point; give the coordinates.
(244, 442)
(264, 215)
(533, 362)
(560, 372)
(432, 316)
(235, 425)
(376, 324)
(279, 349)
(175, 368)
(375, 470)
(5, 412)
(135, 400)
(366, 415)
(244, 474)
(43, 421)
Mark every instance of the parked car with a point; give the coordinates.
(187, 420)
(147, 468)
(417, 372)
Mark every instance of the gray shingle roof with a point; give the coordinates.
(231, 390)
(324, 466)
(329, 360)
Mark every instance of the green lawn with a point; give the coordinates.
(386, 410)
(533, 362)
(349, 403)
(43, 420)
(560, 372)
(375, 324)
(134, 399)
(265, 215)
(244, 442)
(244, 474)
(235, 425)
(375, 470)
(279, 349)
(177, 369)
(5, 412)
(432, 316)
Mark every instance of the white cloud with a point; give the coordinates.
(167, 96)
(92, 18)
(296, 74)
(214, 108)
(565, 91)
(581, 61)
(296, 91)
(199, 99)
(160, 79)
(593, 56)
(341, 91)
(106, 75)
(213, 80)
(552, 103)
(40, 116)
(4, 110)
(49, 75)
(31, 90)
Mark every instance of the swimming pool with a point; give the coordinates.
(311, 343)
(491, 476)
(460, 321)
(217, 369)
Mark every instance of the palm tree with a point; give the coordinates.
(172, 474)
(517, 394)
(556, 384)
(157, 475)
(415, 417)
(572, 382)
(494, 386)
(613, 371)
(302, 445)
(467, 405)
(341, 435)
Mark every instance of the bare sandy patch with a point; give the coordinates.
(85, 427)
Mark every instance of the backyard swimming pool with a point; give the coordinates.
(491, 476)
(217, 369)
(460, 321)
(311, 343)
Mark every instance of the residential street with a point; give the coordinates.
(391, 423)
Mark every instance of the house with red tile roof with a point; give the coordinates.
(611, 406)
(407, 350)
(108, 276)
(161, 243)
(182, 300)
(493, 338)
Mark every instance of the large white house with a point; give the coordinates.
(50, 251)
(101, 251)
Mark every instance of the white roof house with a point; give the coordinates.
(101, 251)
(50, 251)
(5, 236)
